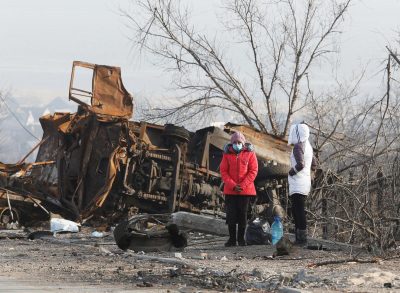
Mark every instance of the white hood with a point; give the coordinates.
(298, 133)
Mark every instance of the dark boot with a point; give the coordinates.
(240, 236)
(232, 236)
(301, 237)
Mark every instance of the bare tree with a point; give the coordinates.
(357, 195)
(279, 42)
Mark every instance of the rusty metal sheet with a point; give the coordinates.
(104, 191)
(11, 168)
(108, 96)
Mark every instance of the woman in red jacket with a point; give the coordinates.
(239, 168)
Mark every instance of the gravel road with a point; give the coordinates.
(81, 263)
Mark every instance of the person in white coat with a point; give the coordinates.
(302, 162)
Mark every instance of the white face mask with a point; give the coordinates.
(237, 146)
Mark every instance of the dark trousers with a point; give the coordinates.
(236, 209)
(298, 211)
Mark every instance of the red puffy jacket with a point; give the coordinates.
(239, 168)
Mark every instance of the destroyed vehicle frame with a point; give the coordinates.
(108, 166)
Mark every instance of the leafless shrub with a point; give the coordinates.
(356, 198)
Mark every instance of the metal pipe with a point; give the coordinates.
(9, 206)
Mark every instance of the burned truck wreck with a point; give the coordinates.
(98, 162)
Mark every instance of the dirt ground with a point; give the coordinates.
(82, 263)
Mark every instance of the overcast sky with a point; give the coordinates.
(40, 39)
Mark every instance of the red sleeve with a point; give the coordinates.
(224, 168)
(252, 171)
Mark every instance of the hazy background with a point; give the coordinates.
(40, 39)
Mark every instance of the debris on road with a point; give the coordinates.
(149, 233)
(63, 225)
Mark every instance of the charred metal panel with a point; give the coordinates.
(46, 176)
(109, 98)
(11, 168)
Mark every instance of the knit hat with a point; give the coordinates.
(238, 136)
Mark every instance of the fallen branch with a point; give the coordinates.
(163, 260)
(340, 261)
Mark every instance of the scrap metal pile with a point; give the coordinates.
(96, 162)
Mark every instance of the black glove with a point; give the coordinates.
(292, 172)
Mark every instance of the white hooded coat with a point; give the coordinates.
(301, 181)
